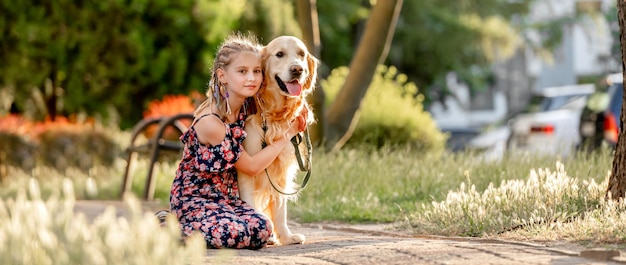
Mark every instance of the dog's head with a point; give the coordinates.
(289, 66)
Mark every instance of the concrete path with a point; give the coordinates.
(363, 245)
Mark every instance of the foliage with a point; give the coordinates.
(596, 228)
(613, 21)
(60, 144)
(364, 185)
(428, 35)
(389, 113)
(170, 105)
(80, 147)
(548, 205)
(51, 182)
(16, 151)
(218, 19)
(269, 19)
(65, 57)
(547, 196)
(340, 23)
(47, 231)
(434, 37)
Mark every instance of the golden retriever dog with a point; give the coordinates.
(289, 76)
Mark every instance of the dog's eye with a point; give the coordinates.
(301, 53)
(279, 54)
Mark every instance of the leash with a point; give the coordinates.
(296, 140)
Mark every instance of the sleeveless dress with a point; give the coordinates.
(205, 195)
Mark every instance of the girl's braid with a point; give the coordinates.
(233, 45)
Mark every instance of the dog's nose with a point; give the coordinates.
(296, 70)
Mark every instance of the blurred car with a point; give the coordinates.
(600, 119)
(550, 123)
(459, 137)
(491, 143)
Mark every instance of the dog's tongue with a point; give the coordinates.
(294, 88)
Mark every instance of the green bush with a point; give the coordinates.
(391, 114)
(94, 57)
(16, 151)
(76, 146)
(82, 149)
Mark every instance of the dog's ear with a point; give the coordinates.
(264, 63)
(264, 57)
(312, 64)
(264, 53)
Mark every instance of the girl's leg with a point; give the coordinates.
(258, 225)
(227, 226)
(259, 228)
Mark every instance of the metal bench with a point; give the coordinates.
(153, 147)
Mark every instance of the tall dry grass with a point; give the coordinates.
(34, 230)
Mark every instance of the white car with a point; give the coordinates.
(491, 144)
(550, 123)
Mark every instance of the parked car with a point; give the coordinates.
(491, 143)
(550, 123)
(459, 137)
(600, 119)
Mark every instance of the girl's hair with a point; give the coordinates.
(215, 91)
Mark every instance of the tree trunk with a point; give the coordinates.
(307, 19)
(50, 97)
(617, 180)
(372, 50)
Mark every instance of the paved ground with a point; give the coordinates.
(371, 244)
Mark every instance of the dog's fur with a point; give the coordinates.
(286, 60)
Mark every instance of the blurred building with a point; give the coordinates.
(586, 50)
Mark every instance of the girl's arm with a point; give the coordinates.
(254, 164)
(210, 130)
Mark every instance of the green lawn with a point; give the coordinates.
(449, 194)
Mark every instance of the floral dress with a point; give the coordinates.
(205, 195)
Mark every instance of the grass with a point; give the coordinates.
(525, 197)
(37, 230)
(359, 186)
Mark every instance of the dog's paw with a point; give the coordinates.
(272, 241)
(292, 239)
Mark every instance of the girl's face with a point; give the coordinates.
(243, 76)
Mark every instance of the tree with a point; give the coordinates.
(341, 24)
(617, 182)
(269, 18)
(431, 33)
(372, 50)
(106, 58)
(309, 25)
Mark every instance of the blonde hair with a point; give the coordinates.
(216, 93)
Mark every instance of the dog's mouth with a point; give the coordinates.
(293, 87)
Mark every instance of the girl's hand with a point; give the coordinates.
(299, 124)
(302, 119)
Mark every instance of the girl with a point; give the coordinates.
(204, 194)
